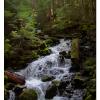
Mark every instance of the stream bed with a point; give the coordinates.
(51, 66)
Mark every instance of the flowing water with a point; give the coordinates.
(50, 65)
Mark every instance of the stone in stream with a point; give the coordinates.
(51, 92)
(65, 54)
(47, 78)
(78, 83)
(18, 89)
(28, 94)
(15, 77)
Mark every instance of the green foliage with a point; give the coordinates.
(90, 62)
(89, 98)
(44, 52)
(7, 48)
(34, 55)
(49, 42)
(5, 79)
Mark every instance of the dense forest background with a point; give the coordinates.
(32, 26)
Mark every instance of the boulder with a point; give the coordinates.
(62, 86)
(15, 77)
(47, 78)
(78, 82)
(51, 92)
(28, 94)
(9, 86)
(65, 54)
(75, 65)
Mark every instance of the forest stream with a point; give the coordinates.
(51, 66)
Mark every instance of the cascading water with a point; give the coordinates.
(48, 66)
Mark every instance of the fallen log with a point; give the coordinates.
(15, 77)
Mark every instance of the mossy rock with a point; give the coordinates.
(75, 65)
(28, 94)
(65, 54)
(78, 82)
(56, 82)
(51, 92)
(47, 78)
(75, 48)
(9, 86)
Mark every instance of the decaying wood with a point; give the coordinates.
(15, 77)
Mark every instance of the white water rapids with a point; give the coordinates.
(49, 65)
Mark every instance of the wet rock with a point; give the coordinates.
(65, 54)
(78, 83)
(9, 86)
(75, 65)
(62, 86)
(56, 82)
(51, 92)
(61, 60)
(28, 94)
(18, 89)
(47, 78)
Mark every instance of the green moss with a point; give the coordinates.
(28, 94)
(56, 82)
(75, 48)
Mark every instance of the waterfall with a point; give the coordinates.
(11, 95)
(48, 65)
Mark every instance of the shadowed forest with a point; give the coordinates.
(50, 49)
